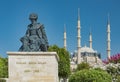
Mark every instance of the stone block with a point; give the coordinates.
(33, 66)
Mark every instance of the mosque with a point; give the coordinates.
(85, 53)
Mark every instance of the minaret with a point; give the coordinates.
(90, 39)
(78, 39)
(65, 44)
(108, 38)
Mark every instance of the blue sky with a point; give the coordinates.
(54, 14)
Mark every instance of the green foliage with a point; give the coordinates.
(118, 78)
(111, 70)
(64, 61)
(2, 80)
(91, 75)
(82, 66)
(114, 71)
(3, 67)
(99, 69)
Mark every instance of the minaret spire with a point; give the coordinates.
(108, 38)
(78, 39)
(108, 18)
(78, 13)
(65, 43)
(90, 39)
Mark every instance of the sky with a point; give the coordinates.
(14, 18)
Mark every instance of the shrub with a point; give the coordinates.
(90, 76)
(111, 70)
(82, 66)
(118, 78)
(2, 80)
(3, 67)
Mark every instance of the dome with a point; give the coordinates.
(87, 49)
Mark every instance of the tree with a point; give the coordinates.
(114, 71)
(118, 78)
(91, 75)
(3, 67)
(63, 63)
(82, 66)
(113, 59)
(111, 70)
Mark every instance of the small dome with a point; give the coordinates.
(87, 49)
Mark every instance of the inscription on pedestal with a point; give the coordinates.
(31, 63)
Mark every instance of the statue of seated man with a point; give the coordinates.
(35, 38)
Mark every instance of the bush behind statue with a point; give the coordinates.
(91, 75)
(2, 80)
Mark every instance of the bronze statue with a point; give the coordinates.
(35, 38)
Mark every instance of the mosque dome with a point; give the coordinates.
(87, 49)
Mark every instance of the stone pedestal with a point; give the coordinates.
(33, 66)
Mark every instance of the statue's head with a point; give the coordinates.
(33, 16)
